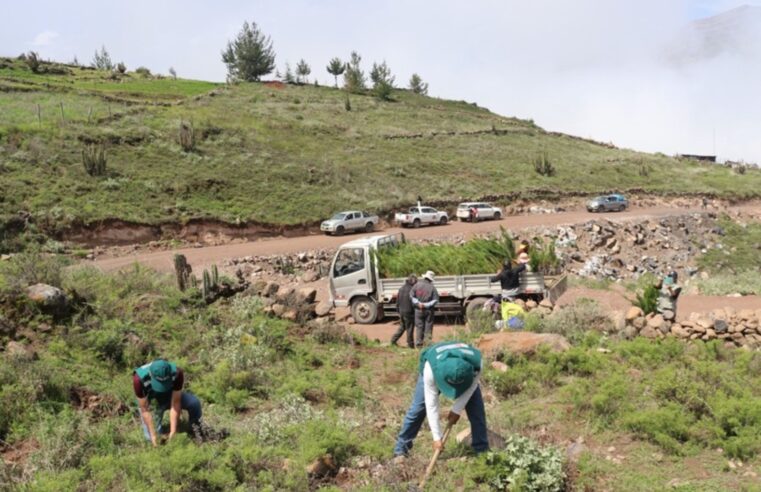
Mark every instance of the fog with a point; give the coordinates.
(638, 74)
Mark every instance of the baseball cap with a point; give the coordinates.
(454, 376)
(161, 376)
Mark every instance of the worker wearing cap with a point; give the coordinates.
(510, 278)
(668, 294)
(161, 381)
(452, 369)
(424, 299)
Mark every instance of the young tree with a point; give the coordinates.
(288, 77)
(102, 60)
(33, 61)
(121, 67)
(383, 81)
(302, 71)
(250, 55)
(335, 68)
(173, 73)
(354, 77)
(417, 85)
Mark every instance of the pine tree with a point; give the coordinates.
(288, 77)
(102, 60)
(383, 81)
(335, 68)
(354, 77)
(302, 71)
(417, 85)
(250, 55)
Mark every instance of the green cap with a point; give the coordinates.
(161, 376)
(454, 375)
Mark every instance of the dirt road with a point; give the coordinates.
(205, 256)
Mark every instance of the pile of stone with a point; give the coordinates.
(736, 328)
(297, 304)
(542, 308)
(308, 266)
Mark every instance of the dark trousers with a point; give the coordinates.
(406, 323)
(423, 326)
(416, 416)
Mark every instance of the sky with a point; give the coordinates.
(593, 68)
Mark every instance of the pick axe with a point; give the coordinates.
(435, 456)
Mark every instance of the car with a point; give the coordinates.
(608, 203)
(421, 215)
(351, 220)
(483, 211)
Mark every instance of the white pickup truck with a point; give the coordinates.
(421, 215)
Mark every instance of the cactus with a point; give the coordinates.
(207, 285)
(94, 159)
(182, 271)
(543, 166)
(193, 281)
(214, 275)
(187, 137)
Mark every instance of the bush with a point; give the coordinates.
(747, 282)
(523, 465)
(543, 166)
(94, 159)
(121, 67)
(144, 72)
(33, 61)
(30, 268)
(576, 320)
(647, 300)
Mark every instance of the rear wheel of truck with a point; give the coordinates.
(443, 221)
(416, 223)
(364, 310)
(474, 308)
(369, 227)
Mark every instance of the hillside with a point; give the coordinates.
(283, 155)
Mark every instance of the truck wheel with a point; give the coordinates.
(416, 223)
(443, 221)
(369, 227)
(364, 310)
(474, 306)
(497, 216)
(340, 231)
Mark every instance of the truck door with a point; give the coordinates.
(350, 275)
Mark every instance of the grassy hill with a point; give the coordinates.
(276, 154)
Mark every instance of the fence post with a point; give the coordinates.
(89, 115)
(63, 119)
(39, 115)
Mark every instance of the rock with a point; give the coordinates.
(495, 440)
(50, 299)
(322, 467)
(656, 322)
(619, 320)
(258, 287)
(678, 331)
(531, 304)
(284, 292)
(720, 326)
(278, 309)
(306, 295)
(649, 332)
(718, 314)
(20, 351)
(499, 366)
(709, 335)
(322, 309)
(546, 303)
(639, 322)
(746, 314)
(521, 342)
(668, 315)
(310, 276)
(270, 289)
(290, 315)
(633, 312)
(704, 323)
(629, 332)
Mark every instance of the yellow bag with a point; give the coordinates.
(510, 309)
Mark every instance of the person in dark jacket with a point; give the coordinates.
(509, 279)
(406, 313)
(424, 299)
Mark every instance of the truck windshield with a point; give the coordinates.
(339, 216)
(348, 261)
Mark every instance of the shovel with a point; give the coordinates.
(435, 456)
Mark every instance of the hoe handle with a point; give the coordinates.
(435, 456)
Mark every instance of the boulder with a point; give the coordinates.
(495, 440)
(649, 332)
(278, 309)
(704, 323)
(629, 332)
(656, 322)
(270, 289)
(746, 314)
(639, 322)
(709, 335)
(50, 299)
(531, 304)
(323, 308)
(290, 315)
(258, 287)
(678, 331)
(499, 366)
(284, 292)
(19, 351)
(521, 342)
(720, 326)
(633, 313)
(618, 319)
(306, 295)
(669, 315)
(310, 276)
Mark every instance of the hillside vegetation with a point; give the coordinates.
(284, 154)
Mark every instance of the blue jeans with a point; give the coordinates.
(188, 401)
(416, 415)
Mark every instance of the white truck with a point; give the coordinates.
(421, 215)
(355, 282)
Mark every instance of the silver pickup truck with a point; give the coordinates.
(421, 215)
(355, 282)
(352, 220)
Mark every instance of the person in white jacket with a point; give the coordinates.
(452, 369)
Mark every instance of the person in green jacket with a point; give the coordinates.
(452, 369)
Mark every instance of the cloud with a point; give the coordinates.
(45, 38)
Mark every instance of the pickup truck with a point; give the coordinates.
(355, 282)
(352, 220)
(421, 215)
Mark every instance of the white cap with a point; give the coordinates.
(429, 275)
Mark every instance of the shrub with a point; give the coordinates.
(33, 61)
(668, 426)
(144, 72)
(94, 159)
(121, 67)
(291, 410)
(543, 166)
(523, 465)
(29, 268)
(187, 136)
(575, 320)
(327, 333)
(647, 301)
